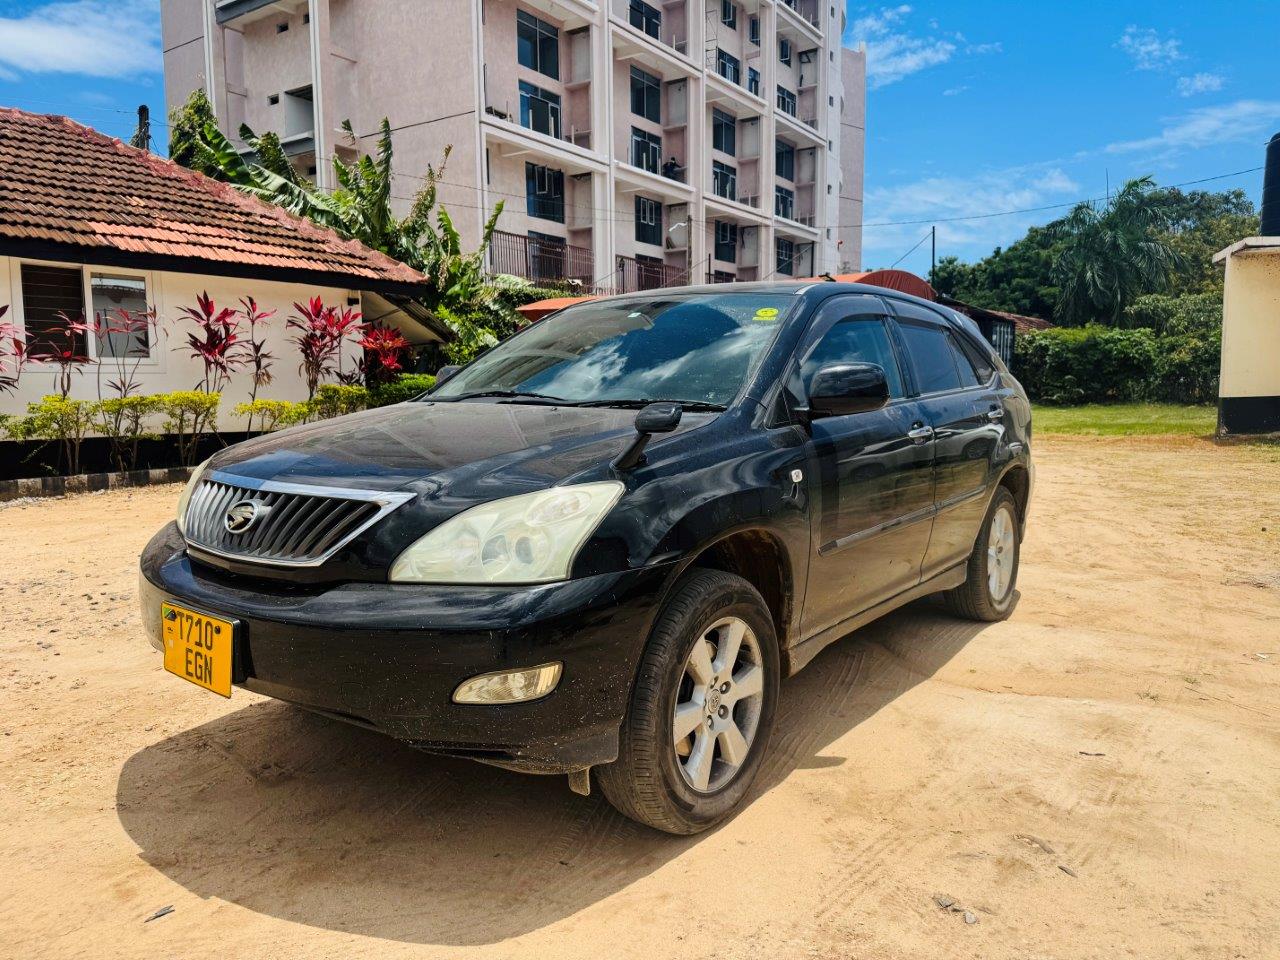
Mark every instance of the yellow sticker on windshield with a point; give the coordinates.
(766, 314)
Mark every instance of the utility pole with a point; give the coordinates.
(933, 251)
(142, 135)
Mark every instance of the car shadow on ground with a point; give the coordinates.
(312, 821)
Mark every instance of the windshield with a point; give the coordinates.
(698, 348)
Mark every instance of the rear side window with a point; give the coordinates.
(855, 340)
(932, 358)
(968, 376)
(982, 365)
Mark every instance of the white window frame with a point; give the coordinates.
(150, 363)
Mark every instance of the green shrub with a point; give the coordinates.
(404, 387)
(188, 414)
(1094, 364)
(123, 421)
(58, 419)
(273, 414)
(336, 400)
(1192, 313)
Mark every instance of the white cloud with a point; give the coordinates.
(1147, 50)
(954, 91)
(1204, 126)
(1200, 83)
(88, 37)
(893, 53)
(945, 197)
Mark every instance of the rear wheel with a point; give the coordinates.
(992, 572)
(702, 708)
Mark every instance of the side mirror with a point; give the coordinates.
(661, 417)
(839, 389)
(445, 372)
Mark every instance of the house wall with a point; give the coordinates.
(170, 367)
(1249, 389)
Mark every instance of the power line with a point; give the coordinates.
(911, 251)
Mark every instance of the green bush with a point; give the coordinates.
(188, 414)
(1094, 364)
(59, 419)
(1192, 313)
(405, 387)
(273, 414)
(123, 421)
(337, 400)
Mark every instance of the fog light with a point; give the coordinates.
(514, 686)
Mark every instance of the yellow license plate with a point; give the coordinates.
(197, 647)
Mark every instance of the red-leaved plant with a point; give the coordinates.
(321, 331)
(16, 352)
(60, 350)
(259, 358)
(385, 353)
(135, 328)
(216, 342)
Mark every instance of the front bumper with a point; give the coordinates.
(389, 656)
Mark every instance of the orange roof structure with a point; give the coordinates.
(536, 311)
(70, 193)
(899, 280)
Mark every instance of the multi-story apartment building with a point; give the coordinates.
(633, 143)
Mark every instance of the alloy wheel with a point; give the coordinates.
(1001, 553)
(718, 705)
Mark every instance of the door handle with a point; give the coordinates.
(920, 433)
(995, 413)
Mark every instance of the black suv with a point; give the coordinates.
(603, 543)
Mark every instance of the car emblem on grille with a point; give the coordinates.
(242, 515)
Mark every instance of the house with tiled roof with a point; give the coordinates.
(89, 226)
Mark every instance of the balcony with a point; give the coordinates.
(249, 10)
(663, 21)
(804, 13)
(541, 260)
(634, 275)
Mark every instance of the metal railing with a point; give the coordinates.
(541, 260)
(633, 275)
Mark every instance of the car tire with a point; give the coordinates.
(659, 780)
(992, 573)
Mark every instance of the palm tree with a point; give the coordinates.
(1113, 254)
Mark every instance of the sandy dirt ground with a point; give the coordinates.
(1097, 777)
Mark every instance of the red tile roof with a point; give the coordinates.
(69, 192)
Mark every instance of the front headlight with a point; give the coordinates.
(531, 538)
(185, 497)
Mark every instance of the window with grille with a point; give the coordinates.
(50, 297)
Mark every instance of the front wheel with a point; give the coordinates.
(702, 708)
(992, 572)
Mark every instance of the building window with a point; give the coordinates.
(544, 192)
(646, 95)
(120, 306)
(537, 45)
(644, 18)
(539, 110)
(728, 66)
(722, 276)
(753, 30)
(784, 203)
(785, 157)
(786, 101)
(753, 81)
(50, 297)
(726, 241)
(646, 150)
(729, 14)
(784, 51)
(724, 132)
(786, 255)
(724, 180)
(648, 221)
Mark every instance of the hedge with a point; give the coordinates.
(1095, 364)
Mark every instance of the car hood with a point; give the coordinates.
(482, 449)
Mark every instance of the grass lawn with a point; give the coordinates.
(1126, 419)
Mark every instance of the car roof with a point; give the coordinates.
(811, 289)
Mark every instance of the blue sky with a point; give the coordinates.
(974, 106)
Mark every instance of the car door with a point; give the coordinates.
(965, 414)
(870, 474)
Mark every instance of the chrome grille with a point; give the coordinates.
(293, 525)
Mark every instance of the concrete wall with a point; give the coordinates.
(169, 366)
(1251, 326)
(853, 135)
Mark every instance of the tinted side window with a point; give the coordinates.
(930, 356)
(968, 376)
(980, 360)
(855, 340)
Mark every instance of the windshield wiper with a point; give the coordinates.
(694, 406)
(512, 395)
